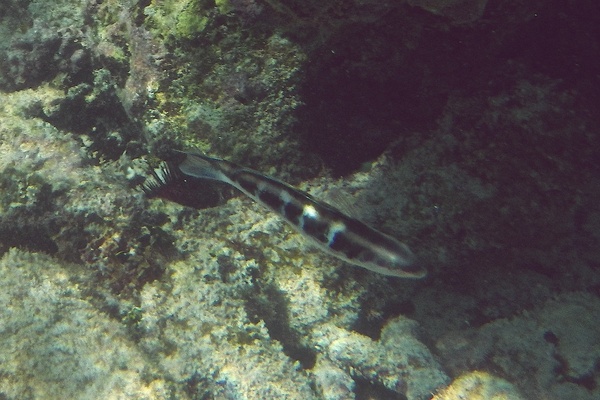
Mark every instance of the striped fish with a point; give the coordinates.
(331, 230)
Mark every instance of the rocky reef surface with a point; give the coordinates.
(467, 128)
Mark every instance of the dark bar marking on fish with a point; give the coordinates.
(293, 212)
(344, 245)
(247, 181)
(334, 232)
(271, 200)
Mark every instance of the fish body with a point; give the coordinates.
(328, 228)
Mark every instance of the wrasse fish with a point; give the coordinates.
(331, 230)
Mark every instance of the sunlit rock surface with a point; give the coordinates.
(467, 129)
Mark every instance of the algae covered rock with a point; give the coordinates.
(333, 382)
(551, 350)
(52, 340)
(201, 336)
(55, 200)
(479, 386)
(397, 361)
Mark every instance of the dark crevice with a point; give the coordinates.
(354, 109)
(366, 390)
(32, 238)
(103, 118)
(271, 306)
(372, 84)
(371, 320)
(587, 381)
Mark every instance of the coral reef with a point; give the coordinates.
(468, 129)
(40, 43)
(57, 344)
(239, 359)
(398, 361)
(55, 201)
(252, 302)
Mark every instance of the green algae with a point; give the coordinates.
(181, 19)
